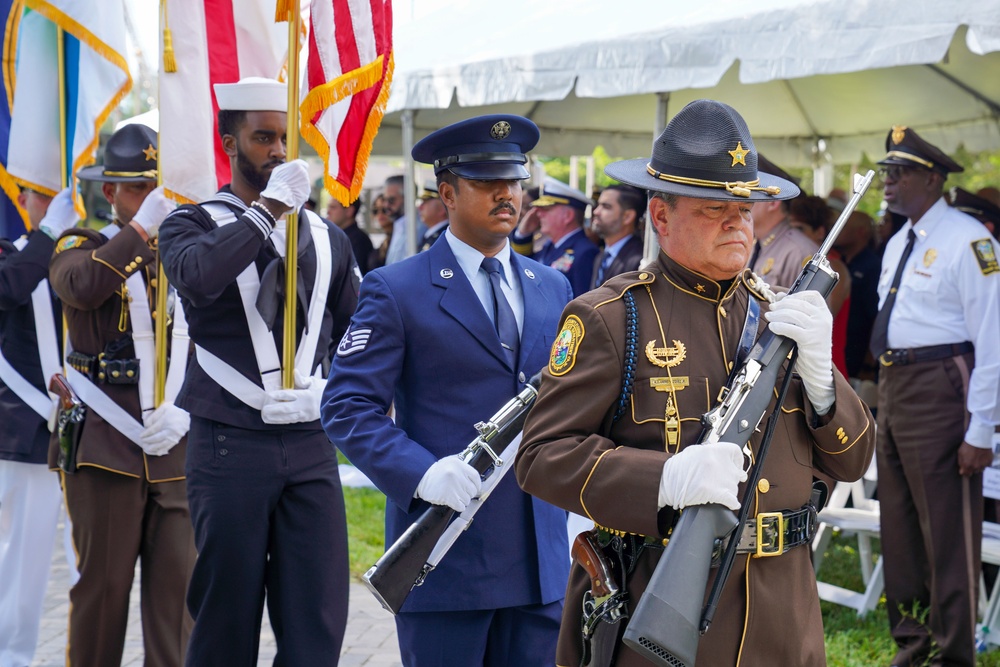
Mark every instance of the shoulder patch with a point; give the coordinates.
(567, 343)
(70, 242)
(986, 256)
(354, 341)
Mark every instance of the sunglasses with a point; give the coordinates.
(897, 172)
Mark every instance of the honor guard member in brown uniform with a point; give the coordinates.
(638, 362)
(434, 214)
(30, 326)
(979, 208)
(127, 498)
(263, 482)
(935, 337)
(780, 250)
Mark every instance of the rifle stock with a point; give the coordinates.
(407, 562)
(669, 620)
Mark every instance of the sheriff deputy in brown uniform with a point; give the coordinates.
(127, 497)
(641, 359)
(780, 250)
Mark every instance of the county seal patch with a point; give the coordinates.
(567, 343)
(70, 242)
(986, 256)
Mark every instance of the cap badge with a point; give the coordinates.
(500, 130)
(665, 357)
(738, 154)
(898, 133)
(150, 153)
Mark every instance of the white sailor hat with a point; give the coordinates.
(554, 192)
(252, 93)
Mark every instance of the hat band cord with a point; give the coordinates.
(132, 174)
(738, 188)
(913, 158)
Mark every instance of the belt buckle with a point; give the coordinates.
(882, 358)
(770, 534)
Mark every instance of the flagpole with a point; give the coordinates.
(61, 68)
(162, 287)
(292, 219)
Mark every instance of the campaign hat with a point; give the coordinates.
(484, 148)
(129, 156)
(905, 148)
(981, 209)
(706, 152)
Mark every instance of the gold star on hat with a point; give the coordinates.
(150, 153)
(738, 154)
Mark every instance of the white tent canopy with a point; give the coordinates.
(592, 72)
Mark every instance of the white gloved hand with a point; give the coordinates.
(60, 215)
(289, 184)
(155, 207)
(701, 475)
(805, 318)
(164, 429)
(449, 481)
(294, 406)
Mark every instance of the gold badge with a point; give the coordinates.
(665, 357)
(500, 130)
(929, 258)
(986, 256)
(150, 153)
(898, 133)
(768, 265)
(738, 154)
(700, 288)
(70, 242)
(567, 343)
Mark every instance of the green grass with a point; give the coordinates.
(850, 641)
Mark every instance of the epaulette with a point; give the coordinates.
(621, 284)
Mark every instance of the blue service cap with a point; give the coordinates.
(483, 148)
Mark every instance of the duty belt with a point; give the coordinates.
(916, 355)
(100, 368)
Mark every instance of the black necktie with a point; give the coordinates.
(602, 268)
(880, 329)
(503, 315)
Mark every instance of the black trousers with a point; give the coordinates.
(268, 514)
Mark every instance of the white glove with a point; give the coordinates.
(805, 318)
(701, 475)
(155, 207)
(294, 406)
(164, 429)
(60, 215)
(289, 184)
(449, 481)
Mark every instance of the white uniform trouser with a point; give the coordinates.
(29, 511)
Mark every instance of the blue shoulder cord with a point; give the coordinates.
(631, 335)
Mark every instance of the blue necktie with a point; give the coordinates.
(880, 328)
(503, 316)
(605, 264)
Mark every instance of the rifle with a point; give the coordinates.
(669, 619)
(69, 421)
(405, 564)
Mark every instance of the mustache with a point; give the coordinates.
(505, 206)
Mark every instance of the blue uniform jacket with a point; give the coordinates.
(574, 258)
(422, 340)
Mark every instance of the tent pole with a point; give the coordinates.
(650, 245)
(409, 189)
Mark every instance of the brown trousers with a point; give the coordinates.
(932, 518)
(116, 520)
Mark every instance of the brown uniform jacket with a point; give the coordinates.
(88, 272)
(574, 456)
(782, 255)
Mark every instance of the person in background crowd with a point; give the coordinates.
(616, 219)
(935, 337)
(382, 218)
(346, 217)
(434, 214)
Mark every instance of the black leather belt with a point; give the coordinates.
(775, 533)
(916, 355)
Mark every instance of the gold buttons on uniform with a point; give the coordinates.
(842, 435)
(763, 486)
(643, 275)
(138, 259)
